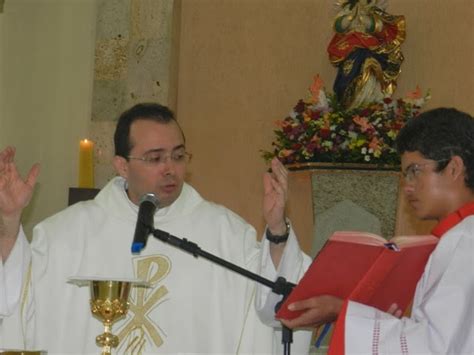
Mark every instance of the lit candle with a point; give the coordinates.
(86, 163)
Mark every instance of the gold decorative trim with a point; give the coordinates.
(24, 301)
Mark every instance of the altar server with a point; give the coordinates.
(437, 155)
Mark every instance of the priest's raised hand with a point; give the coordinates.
(15, 194)
(275, 185)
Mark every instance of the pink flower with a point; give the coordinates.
(415, 95)
(374, 144)
(285, 153)
(315, 88)
(366, 112)
(315, 115)
(280, 123)
(362, 122)
(324, 133)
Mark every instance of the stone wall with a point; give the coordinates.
(133, 54)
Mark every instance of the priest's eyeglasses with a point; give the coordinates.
(412, 172)
(157, 157)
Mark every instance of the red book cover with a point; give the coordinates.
(365, 268)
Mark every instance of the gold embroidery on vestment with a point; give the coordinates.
(140, 328)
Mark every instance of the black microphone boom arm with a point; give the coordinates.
(280, 286)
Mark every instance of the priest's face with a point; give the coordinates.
(426, 190)
(157, 161)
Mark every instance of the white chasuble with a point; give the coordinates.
(193, 306)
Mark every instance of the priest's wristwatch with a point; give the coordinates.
(277, 239)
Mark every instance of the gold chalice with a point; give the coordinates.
(109, 302)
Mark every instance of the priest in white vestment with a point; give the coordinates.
(437, 154)
(193, 305)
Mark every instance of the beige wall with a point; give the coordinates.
(46, 58)
(245, 63)
(242, 65)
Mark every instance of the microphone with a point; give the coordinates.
(145, 225)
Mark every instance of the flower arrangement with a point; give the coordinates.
(319, 129)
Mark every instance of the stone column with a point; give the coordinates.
(132, 65)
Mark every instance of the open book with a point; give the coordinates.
(365, 268)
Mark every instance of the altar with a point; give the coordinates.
(358, 197)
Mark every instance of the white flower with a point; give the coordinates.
(293, 114)
(417, 102)
(371, 150)
(322, 101)
(364, 150)
(389, 106)
(367, 158)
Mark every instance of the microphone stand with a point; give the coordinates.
(280, 286)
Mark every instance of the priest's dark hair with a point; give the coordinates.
(143, 111)
(440, 134)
